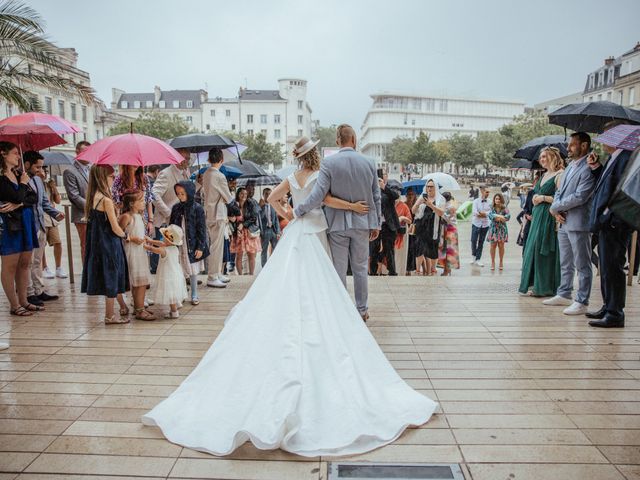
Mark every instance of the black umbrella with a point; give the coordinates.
(531, 150)
(259, 181)
(592, 116)
(200, 142)
(249, 169)
(526, 164)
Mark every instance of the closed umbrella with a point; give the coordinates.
(592, 116)
(131, 149)
(531, 150)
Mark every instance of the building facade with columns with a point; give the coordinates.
(403, 115)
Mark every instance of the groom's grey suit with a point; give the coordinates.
(349, 176)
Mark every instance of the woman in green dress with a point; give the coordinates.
(541, 261)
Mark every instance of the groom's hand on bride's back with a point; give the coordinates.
(373, 234)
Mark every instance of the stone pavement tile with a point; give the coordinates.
(407, 453)
(159, 370)
(603, 436)
(426, 436)
(520, 436)
(11, 476)
(621, 454)
(17, 366)
(568, 364)
(160, 361)
(126, 401)
(244, 469)
(611, 395)
(112, 429)
(580, 374)
(524, 471)
(40, 412)
(90, 359)
(631, 472)
(479, 374)
(606, 421)
(46, 476)
(79, 368)
(52, 387)
(532, 454)
(16, 461)
(59, 399)
(133, 447)
(604, 408)
(101, 465)
(144, 390)
(110, 414)
(39, 427)
(6, 376)
(477, 364)
(500, 408)
(484, 384)
(493, 395)
(510, 421)
(590, 384)
(25, 443)
(247, 451)
(172, 380)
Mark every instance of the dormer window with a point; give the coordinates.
(124, 104)
(189, 103)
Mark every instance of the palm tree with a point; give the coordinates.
(22, 43)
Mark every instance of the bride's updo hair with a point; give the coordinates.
(310, 160)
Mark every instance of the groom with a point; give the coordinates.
(352, 177)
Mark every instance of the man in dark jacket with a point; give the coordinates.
(613, 238)
(383, 246)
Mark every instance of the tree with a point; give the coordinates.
(422, 151)
(400, 150)
(260, 151)
(22, 45)
(464, 151)
(442, 152)
(153, 124)
(327, 137)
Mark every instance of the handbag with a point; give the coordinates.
(412, 229)
(254, 231)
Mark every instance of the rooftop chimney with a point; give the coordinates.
(609, 61)
(156, 95)
(637, 47)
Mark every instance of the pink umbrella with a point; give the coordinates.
(131, 149)
(35, 131)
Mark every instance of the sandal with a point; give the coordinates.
(20, 312)
(142, 314)
(33, 308)
(124, 312)
(195, 301)
(112, 320)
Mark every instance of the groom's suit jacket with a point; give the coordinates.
(573, 196)
(349, 176)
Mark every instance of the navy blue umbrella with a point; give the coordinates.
(417, 185)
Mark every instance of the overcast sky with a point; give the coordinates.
(521, 50)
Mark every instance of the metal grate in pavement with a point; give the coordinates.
(394, 471)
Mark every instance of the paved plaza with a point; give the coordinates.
(525, 392)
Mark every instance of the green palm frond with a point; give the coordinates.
(21, 15)
(20, 97)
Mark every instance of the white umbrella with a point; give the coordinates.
(509, 185)
(284, 172)
(229, 154)
(446, 182)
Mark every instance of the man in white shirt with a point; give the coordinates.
(479, 225)
(216, 195)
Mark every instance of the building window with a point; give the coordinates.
(250, 132)
(413, 121)
(176, 104)
(276, 119)
(263, 119)
(149, 104)
(632, 96)
(299, 119)
(213, 113)
(48, 105)
(233, 126)
(599, 97)
(84, 113)
(227, 113)
(430, 104)
(162, 104)
(299, 133)
(444, 105)
(136, 104)
(263, 132)
(189, 103)
(208, 127)
(591, 98)
(276, 134)
(250, 118)
(620, 96)
(189, 119)
(610, 75)
(592, 81)
(609, 96)
(124, 104)
(61, 108)
(73, 112)
(601, 78)
(300, 104)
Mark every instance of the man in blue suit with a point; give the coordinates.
(613, 237)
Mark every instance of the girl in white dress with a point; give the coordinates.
(170, 288)
(139, 276)
(294, 367)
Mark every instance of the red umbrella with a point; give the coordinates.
(131, 149)
(35, 131)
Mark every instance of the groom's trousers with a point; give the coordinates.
(352, 246)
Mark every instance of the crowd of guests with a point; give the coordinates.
(566, 218)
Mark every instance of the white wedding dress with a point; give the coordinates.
(295, 367)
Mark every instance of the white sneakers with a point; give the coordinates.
(216, 283)
(575, 309)
(477, 263)
(60, 273)
(223, 278)
(557, 301)
(4, 346)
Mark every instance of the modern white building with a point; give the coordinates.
(282, 115)
(184, 103)
(554, 104)
(404, 115)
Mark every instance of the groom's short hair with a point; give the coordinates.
(344, 133)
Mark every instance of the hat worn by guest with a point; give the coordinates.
(173, 234)
(303, 145)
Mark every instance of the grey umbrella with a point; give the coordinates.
(57, 158)
(201, 142)
(592, 116)
(249, 169)
(259, 181)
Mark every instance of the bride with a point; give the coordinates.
(294, 367)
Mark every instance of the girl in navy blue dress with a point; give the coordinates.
(105, 267)
(19, 236)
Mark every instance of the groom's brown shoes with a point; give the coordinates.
(365, 317)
